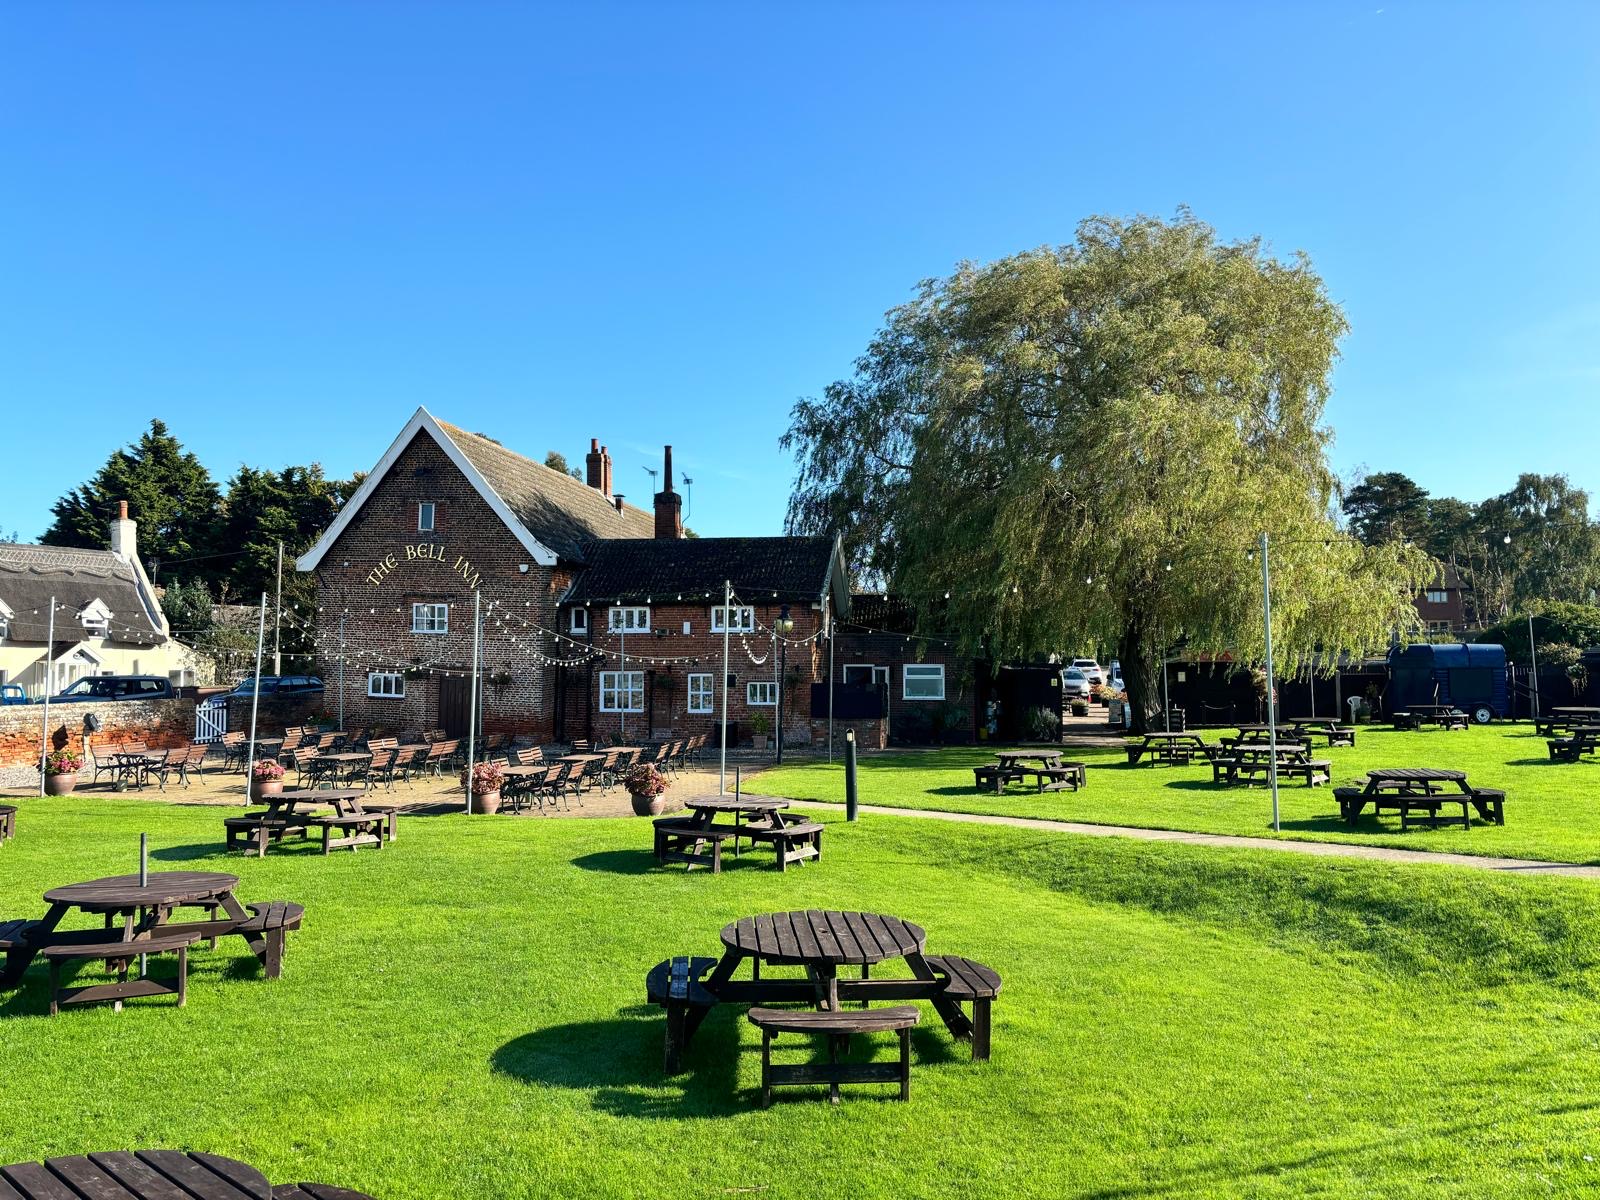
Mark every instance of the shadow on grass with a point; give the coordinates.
(190, 852)
(617, 862)
(618, 1062)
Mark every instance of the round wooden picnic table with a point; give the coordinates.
(1412, 776)
(735, 804)
(823, 941)
(144, 1175)
(163, 889)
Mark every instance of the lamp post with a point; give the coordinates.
(784, 626)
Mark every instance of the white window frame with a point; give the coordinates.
(767, 687)
(880, 674)
(921, 671)
(386, 685)
(432, 509)
(614, 683)
(628, 618)
(429, 624)
(1436, 596)
(5, 621)
(580, 621)
(744, 618)
(703, 699)
(95, 618)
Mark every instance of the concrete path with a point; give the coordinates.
(1521, 866)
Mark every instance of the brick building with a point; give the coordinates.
(599, 618)
(1446, 604)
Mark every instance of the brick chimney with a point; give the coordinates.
(669, 505)
(597, 467)
(124, 535)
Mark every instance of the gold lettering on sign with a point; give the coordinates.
(431, 552)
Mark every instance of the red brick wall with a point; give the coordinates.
(670, 678)
(377, 632)
(894, 652)
(157, 723)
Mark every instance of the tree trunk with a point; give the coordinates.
(1141, 671)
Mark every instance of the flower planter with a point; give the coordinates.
(59, 785)
(648, 806)
(759, 740)
(486, 802)
(260, 789)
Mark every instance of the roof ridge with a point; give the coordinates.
(572, 484)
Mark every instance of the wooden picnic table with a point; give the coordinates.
(1161, 746)
(697, 839)
(1012, 758)
(145, 1175)
(1315, 722)
(1408, 788)
(355, 825)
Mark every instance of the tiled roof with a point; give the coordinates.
(31, 575)
(564, 513)
(797, 568)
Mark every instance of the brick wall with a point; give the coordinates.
(667, 682)
(955, 713)
(157, 723)
(355, 580)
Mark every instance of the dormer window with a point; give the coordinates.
(580, 620)
(5, 621)
(95, 618)
(425, 516)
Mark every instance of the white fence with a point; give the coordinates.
(211, 719)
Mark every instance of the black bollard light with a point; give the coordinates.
(849, 774)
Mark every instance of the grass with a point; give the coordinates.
(462, 1016)
(1552, 810)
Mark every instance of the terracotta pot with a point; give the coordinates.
(261, 788)
(648, 806)
(486, 802)
(59, 785)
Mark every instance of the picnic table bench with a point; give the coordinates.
(1175, 749)
(1060, 777)
(146, 909)
(1417, 794)
(1247, 761)
(697, 838)
(153, 1175)
(821, 942)
(1584, 739)
(351, 824)
(8, 822)
(1331, 728)
(1446, 716)
(836, 1027)
(1565, 716)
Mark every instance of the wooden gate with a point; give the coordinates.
(211, 719)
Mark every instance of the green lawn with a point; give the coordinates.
(461, 1017)
(1552, 809)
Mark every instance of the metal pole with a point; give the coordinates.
(1313, 678)
(722, 768)
(144, 881)
(255, 700)
(472, 699)
(1272, 716)
(783, 669)
(277, 618)
(849, 774)
(49, 683)
(777, 687)
(1533, 656)
(341, 669)
(1166, 698)
(622, 678)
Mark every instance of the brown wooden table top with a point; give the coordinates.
(344, 755)
(145, 1175)
(821, 937)
(1161, 735)
(520, 770)
(328, 794)
(736, 804)
(164, 887)
(579, 758)
(1417, 774)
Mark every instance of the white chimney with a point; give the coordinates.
(124, 539)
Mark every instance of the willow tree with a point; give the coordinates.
(1081, 446)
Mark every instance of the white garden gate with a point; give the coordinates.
(211, 719)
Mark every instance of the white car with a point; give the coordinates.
(1074, 683)
(1091, 669)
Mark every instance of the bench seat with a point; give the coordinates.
(967, 981)
(679, 840)
(351, 831)
(674, 984)
(315, 1191)
(837, 1025)
(271, 923)
(8, 822)
(795, 842)
(61, 955)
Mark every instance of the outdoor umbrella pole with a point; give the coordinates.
(255, 700)
(472, 699)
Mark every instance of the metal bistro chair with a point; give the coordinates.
(520, 790)
(408, 761)
(379, 768)
(308, 771)
(234, 751)
(553, 787)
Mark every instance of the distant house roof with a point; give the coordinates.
(553, 515)
(31, 575)
(798, 569)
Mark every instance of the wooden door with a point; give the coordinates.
(455, 693)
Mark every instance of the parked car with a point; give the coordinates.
(10, 693)
(1074, 683)
(279, 685)
(1091, 669)
(115, 687)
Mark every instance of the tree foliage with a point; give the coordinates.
(557, 461)
(1081, 445)
(168, 490)
(1555, 624)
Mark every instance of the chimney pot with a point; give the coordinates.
(122, 510)
(669, 506)
(619, 501)
(594, 473)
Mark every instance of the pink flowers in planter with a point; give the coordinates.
(63, 762)
(266, 770)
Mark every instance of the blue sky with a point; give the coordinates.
(280, 228)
